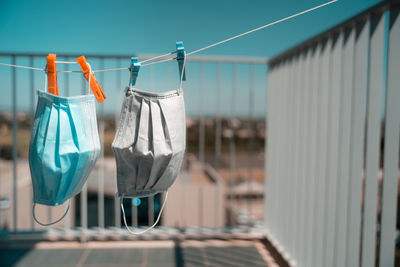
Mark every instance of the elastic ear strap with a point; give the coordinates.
(45, 81)
(130, 79)
(48, 224)
(90, 77)
(183, 71)
(151, 227)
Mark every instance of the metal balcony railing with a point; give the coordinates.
(223, 169)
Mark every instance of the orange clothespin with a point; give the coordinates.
(52, 74)
(97, 91)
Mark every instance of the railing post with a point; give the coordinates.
(83, 194)
(67, 224)
(100, 197)
(201, 141)
(250, 138)
(32, 115)
(15, 143)
(232, 150)
(217, 142)
(119, 90)
(150, 207)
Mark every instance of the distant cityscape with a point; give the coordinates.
(232, 177)
(248, 135)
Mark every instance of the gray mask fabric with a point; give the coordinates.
(150, 142)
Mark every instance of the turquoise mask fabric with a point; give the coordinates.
(64, 146)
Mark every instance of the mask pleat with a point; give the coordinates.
(67, 150)
(174, 114)
(51, 161)
(143, 154)
(44, 141)
(160, 143)
(90, 111)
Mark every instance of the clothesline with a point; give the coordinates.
(187, 54)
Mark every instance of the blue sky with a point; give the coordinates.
(137, 27)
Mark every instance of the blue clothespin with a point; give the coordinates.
(180, 56)
(135, 66)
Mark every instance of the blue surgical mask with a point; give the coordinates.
(64, 147)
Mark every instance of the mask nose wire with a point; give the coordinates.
(149, 228)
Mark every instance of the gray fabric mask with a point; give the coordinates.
(150, 142)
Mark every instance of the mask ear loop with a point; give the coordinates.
(48, 224)
(130, 78)
(149, 228)
(45, 79)
(183, 71)
(90, 75)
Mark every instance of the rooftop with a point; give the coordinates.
(164, 253)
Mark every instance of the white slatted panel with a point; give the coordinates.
(333, 145)
(391, 153)
(291, 142)
(357, 142)
(324, 127)
(344, 147)
(308, 151)
(279, 163)
(285, 178)
(317, 219)
(313, 150)
(322, 155)
(375, 91)
(296, 165)
(303, 107)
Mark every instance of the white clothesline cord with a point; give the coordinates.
(246, 33)
(143, 61)
(19, 66)
(77, 71)
(157, 57)
(190, 53)
(160, 61)
(70, 71)
(110, 69)
(261, 27)
(66, 62)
